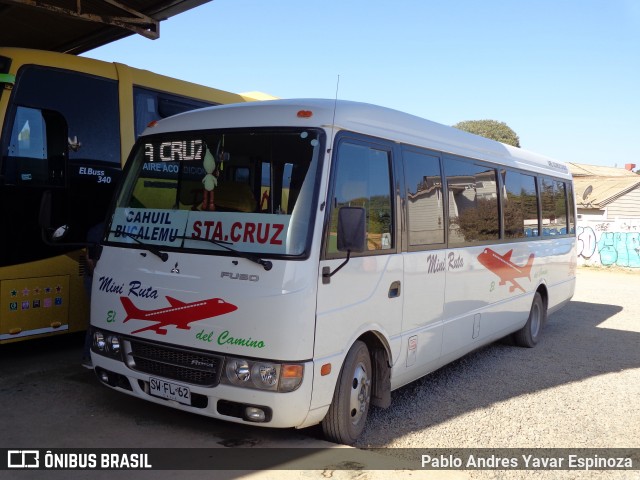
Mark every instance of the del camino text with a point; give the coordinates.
(225, 338)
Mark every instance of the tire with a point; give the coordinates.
(529, 335)
(349, 408)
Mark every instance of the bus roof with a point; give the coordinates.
(362, 118)
(145, 78)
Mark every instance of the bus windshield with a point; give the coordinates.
(221, 191)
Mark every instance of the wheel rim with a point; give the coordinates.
(535, 320)
(359, 398)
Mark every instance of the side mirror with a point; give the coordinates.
(352, 234)
(352, 237)
(51, 236)
(59, 233)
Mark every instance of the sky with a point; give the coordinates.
(563, 74)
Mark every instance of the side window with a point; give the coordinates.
(473, 202)
(150, 105)
(37, 148)
(572, 208)
(425, 203)
(520, 205)
(363, 179)
(88, 105)
(554, 207)
(28, 138)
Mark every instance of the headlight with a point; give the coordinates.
(107, 344)
(238, 371)
(98, 341)
(263, 375)
(114, 344)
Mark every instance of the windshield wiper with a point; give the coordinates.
(266, 264)
(150, 248)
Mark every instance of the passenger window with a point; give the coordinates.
(554, 207)
(425, 203)
(363, 179)
(473, 203)
(150, 105)
(520, 204)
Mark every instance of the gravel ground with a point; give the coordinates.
(578, 388)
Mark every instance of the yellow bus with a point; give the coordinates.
(67, 124)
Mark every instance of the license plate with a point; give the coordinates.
(160, 388)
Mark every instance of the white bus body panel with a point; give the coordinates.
(275, 316)
(276, 309)
(356, 301)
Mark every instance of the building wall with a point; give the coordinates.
(627, 206)
(610, 243)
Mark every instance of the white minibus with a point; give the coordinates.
(291, 262)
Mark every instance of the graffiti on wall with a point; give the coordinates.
(605, 245)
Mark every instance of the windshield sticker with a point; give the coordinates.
(179, 314)
(249, 232)
(264, 233)
(158, 227)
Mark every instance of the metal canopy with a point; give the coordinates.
(75, 26)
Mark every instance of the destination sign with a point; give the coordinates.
(249, 232)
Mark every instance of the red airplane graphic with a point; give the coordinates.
(179, 313)
(502, 266)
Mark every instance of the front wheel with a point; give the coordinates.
(529, 335)
(347, 414)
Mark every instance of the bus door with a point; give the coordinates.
(366, 294)
(33, 161)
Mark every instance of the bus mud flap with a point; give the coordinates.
(381, 393)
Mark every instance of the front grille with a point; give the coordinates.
(187, 366)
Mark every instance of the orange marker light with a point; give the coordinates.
(291, 371)
(305, 114)
(325, 369)
(152, 123)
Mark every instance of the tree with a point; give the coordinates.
(492, 129)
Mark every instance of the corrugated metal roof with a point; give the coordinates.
(580, 170)
(76, 26)
(597, 192)
(597, 186)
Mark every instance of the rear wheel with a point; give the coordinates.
(529, 335)
(347, 414)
